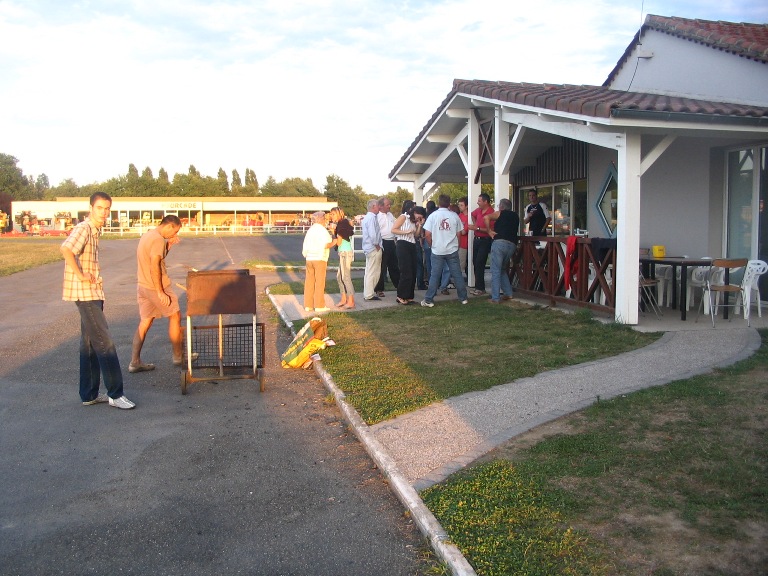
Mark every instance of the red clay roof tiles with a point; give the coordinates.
(745, 39)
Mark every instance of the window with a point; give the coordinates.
(607, 202)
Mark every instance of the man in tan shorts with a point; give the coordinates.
(154, 293)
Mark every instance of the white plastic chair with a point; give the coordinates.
(698, 279)
(755, 269)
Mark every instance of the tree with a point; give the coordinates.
(289, 187)
(13, 184)
(162, 176)
(352, 201)
(237, 184)
(398, 197)
(192, 172)
(66, 189)
(41, 186)
(251, 187)
(459, 190)
(223, 183)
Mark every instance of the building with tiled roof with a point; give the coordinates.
(671, 150)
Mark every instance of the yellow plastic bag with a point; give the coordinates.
(309, 340)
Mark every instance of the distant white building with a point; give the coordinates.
(128, 212)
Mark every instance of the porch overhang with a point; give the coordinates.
(534, 118)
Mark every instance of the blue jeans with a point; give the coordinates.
(501, 253)
(446, 276)
(438, 261)
(97, 353)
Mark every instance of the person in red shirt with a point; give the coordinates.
(464, 235)
(482, 243)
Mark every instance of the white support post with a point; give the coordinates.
(473, 190)
(625, 276)
(418, 195)
(500, 146)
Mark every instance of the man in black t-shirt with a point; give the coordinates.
(505, 238)
(536, 215)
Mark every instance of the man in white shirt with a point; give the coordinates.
(372, 250)
(442, 230)
(389, 253)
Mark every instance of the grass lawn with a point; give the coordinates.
(17, 254)
(668, 481)
(475, 346)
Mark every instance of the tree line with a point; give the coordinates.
(15, 185)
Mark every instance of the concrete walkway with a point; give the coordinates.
(433, 442)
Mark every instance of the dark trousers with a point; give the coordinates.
(482, 247)
(388, 265)
(406, 261)
(421, 283)
(98, 355)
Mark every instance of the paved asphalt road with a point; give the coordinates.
(225, 480)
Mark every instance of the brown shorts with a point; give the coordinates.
(150, 305)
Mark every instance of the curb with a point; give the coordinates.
(424, 519)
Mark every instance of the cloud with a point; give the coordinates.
(289, 88)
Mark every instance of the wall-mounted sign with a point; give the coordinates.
(181, 205)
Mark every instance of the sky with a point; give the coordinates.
(287, 88)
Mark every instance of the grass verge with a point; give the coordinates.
(407, 357)
(667, 481)
(18, 254)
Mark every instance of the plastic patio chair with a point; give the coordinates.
(715, 286)
(755, 269)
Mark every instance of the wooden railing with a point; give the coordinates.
(539, 271)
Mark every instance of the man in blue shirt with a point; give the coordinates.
(372, 250)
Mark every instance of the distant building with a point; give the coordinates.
(199, 212)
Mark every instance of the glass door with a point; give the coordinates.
(562, 207)
(741, 181)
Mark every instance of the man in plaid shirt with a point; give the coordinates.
(83, 285)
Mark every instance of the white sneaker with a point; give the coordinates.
(98, 400)
(427, 304)
(123, 403)
(465, 301)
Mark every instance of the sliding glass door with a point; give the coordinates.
(747, 225)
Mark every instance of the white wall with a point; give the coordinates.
(675, 206)
(685, 68)
(681, 203)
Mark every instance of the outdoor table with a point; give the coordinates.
(675, 261)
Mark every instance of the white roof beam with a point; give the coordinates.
(423, 159)
(454, 145)
(574, 129)
(514, 146)
(458, 113)
(656, 153)
(439, 138)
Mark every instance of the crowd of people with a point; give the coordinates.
(423, 248)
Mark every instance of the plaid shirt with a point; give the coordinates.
(83, 241)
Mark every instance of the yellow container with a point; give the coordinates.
(658, 251)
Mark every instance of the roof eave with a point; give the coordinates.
(689, 118)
